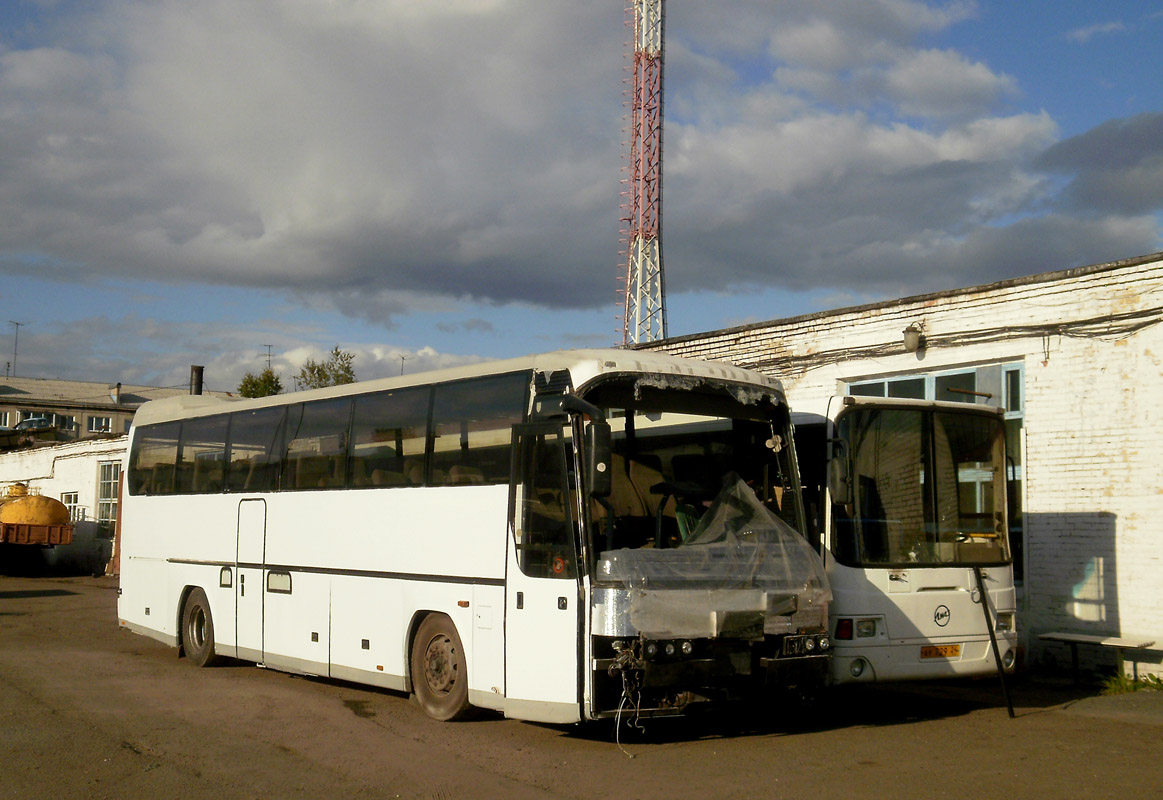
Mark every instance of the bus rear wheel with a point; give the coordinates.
(198, 630)
(439, 671)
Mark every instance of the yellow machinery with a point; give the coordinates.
(29, 518)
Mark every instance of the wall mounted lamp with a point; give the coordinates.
(914, 338)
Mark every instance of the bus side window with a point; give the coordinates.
(255, 450)
(388, 434)
(317, 445)
(472, 428)
(202, 457)
(154, 457)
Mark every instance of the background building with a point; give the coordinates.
(83, 475)
(77, 460)
(76, 409)
(1075, 358)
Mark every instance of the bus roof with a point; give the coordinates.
(584, 367)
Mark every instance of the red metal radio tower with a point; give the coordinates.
(644, 303)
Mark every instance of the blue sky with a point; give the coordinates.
(427, 184)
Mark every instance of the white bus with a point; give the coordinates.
(560, 538)
(910, 496)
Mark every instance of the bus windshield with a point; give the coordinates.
(673, 453)
(927, 488)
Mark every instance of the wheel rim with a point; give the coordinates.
(440, 665)
(198, 627)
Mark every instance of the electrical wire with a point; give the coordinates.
(1110, 327)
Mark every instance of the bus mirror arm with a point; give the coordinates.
(561, 404)
(599, 450)
(609, 526)
(598, 439)
(839, 474)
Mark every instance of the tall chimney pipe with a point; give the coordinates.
(196, 379)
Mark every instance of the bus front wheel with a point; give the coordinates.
(198, 630)
(439, 671)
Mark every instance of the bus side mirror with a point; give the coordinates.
(598, 454)
(839, 475)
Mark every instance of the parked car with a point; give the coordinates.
(33, 423)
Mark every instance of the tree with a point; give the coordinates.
(264, 384)
(335, 371)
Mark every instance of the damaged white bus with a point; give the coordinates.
(560, 537)
(909, 498)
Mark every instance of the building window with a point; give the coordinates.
(6, 419)
(100, 424)
(1013, 401)
(108, 473)
(64, 422)
(71, 501)
(912, 388)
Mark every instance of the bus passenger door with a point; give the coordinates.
(250, 556)
(543, 647)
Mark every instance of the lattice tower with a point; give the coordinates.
(644, 297)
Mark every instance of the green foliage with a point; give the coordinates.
(264, 384)
(335, 371)
(1121, 684)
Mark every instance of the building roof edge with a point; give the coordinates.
(1041, 277)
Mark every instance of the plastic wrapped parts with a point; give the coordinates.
(742, 573)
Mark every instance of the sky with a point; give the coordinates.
(429, 184)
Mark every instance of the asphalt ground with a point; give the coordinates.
(88, 710)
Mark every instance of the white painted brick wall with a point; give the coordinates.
(1093, 422)
(68, 467)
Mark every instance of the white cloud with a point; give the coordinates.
(940, 83)
(396, 159)
(1084, 35)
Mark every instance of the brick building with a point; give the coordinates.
(1075, 358)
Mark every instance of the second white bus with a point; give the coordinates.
(910, 500)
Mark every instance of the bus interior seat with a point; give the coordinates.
(636, 501)
(208, 475)
(256, 473)
(386, 477)
(313, 472)
(162, 480)
(631, 480)
(460, 475)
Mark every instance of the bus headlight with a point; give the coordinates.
(856, 667)
(1005, 622)
(1007, 660)
(865, 628)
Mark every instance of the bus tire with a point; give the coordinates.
(439, 670)
(198, 630)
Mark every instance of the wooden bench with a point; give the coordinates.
(1119, 643)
